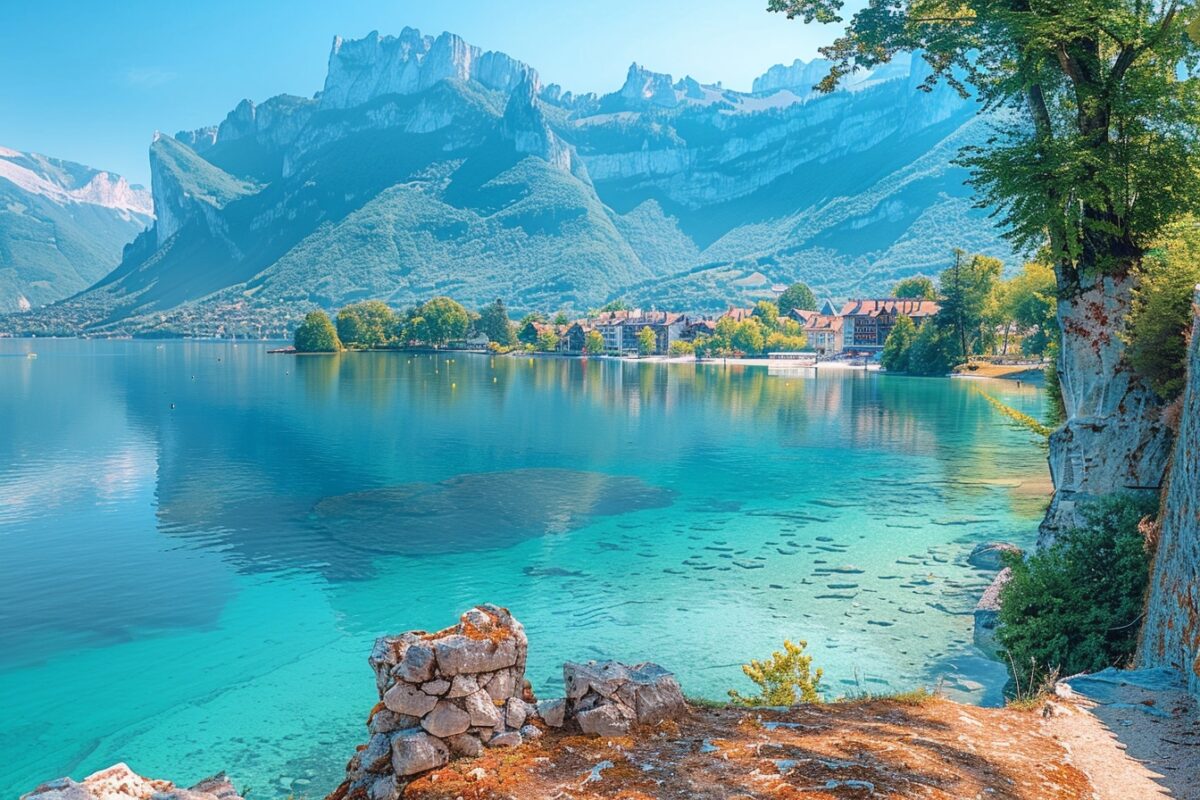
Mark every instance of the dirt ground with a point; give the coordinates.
(933, 749)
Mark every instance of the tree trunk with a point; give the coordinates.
(1114, 438)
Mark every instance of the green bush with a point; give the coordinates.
(1075, 606)
(785, 679)
(316, 334)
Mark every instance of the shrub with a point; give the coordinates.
(896, 349)
(682, 348)
(1075, 606)
(784, 680)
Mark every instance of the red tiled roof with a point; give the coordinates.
(873, 307)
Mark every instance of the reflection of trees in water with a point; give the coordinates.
(256, 440)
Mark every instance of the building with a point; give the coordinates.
(867, 323)
(824, 333)
(666, 325)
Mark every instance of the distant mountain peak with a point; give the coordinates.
(363, 69)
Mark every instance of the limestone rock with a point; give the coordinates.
(553, 712)
(463, 685)
(987, 613)
(465, 745)
(377, 754)
(459, 654)
(515, 713)
(438, 687)
(506, 739)
(605, 720)
(643, 694)
(405, 699)
(119, 782)
(482, 710)
(385, 721)
(446, 719)
(417, 665)
(416, 751)
(990, 555)
(531, 732)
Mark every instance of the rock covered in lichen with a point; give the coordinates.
(608, 698)
(119, 782)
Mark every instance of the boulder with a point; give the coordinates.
(482, 710)
(987, 614)
(515, 713)
(417, 664)
(446, 719)
(553, 712)
(438, 687)
(465, 745)
(119, 782)
(459, 654)
(385, 721)
(415, 751)
(463, 685)
(609, 719)
(408, 700)
(506, 739)
(990, 555)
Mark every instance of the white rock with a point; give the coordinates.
(405, 699)
(417, 751)
(446, 719)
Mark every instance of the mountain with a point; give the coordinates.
(62, 226)
(427, 166)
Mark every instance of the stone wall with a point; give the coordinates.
(1171, 634)
(452, 693)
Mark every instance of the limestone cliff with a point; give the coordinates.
(1171, 634)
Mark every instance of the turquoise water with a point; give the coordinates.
(198, 542)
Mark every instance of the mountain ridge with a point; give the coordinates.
(427, 165)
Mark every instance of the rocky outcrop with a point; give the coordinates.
(453, 693)
(364, 69)
(608, 698)
(987, 613)
(990, 555)
(1171, 633)
(1115, 438)
(443, 694)
(119, 782)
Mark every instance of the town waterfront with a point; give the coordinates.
(199, 541)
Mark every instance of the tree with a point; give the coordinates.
(527, 331)
(1161, 316)
(767, 313)
(561, 318)
(780, 342)
(918, 287)
(747, 337)
(896, 350)
(1093, 155)
(367, 324)
(316, 334)
(547, 340)
(798, 295)
(965, 288)
(933, 351)
(495, 324)
(616, 305)
(1031, 303)
(785, 679)
(593, 343)
(442, 320)
(647, 341)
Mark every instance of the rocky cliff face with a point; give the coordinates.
(427, 166)
(62, 226)
(1171, 633)
(1115, 438)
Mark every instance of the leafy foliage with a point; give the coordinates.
(547, 340)
(918, 287)
(495, 324)
(1075, 606)
(785, 679)
(437, 321)
(593, 343)
(1100, 152)
(798, 295)
(896, 350)
(316, 334)
(1161, 316)
(367, 324)
(646, 341)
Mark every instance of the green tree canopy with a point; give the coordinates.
(748, 337)
(896, 349)
(767, 313)
(1098, 153)
(547, 340)
(316, 334)
(495, 324)
(918, 287)
(593, 343)
(647, 341)
(798, 295)
(367, 324)
(1161, 317)
(442, 319)
(964, 291)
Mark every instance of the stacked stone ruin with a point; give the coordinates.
(453, 693)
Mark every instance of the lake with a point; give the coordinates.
(199, 541)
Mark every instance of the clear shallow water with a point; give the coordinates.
(195, 588)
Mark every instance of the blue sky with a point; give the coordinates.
(92, 81)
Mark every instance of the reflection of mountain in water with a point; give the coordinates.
(480, 511)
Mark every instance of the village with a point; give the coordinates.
(857, 328)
